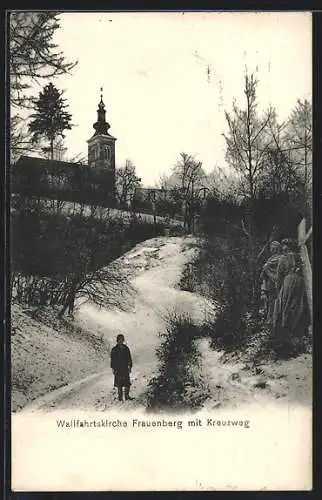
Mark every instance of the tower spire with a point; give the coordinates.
(101, 126)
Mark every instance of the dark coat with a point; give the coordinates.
(269, 285)
(121, 364)
(290, 314)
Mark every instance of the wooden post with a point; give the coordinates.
(307, 270)
(154, 211)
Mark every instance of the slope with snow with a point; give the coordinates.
(154, 268)
(43, 359)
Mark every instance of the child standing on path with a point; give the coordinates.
(121, 364)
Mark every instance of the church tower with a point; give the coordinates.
(101, 147)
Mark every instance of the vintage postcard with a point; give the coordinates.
(161, 233)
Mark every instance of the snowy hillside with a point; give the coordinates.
(45, 359)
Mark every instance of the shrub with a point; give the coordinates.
(138, 231)
(176, 230)
(221, 271)
(179, 385)
(54, 255)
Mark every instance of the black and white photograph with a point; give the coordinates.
(160, 250)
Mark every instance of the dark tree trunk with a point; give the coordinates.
(63, 310)
(69, 302)
(51, 148)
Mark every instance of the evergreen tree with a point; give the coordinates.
(51, 118)
(33, 54)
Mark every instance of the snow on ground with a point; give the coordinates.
(234, 382)
(69, 207)
(43, 358)
(154, 268)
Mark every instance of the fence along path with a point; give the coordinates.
(303, 236)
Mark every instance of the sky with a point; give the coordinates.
(168, 77)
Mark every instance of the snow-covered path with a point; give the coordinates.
(155, 268)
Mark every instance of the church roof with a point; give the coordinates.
(51, 166)
(33, 163)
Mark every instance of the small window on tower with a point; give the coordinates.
(107, 153)
(97, 152)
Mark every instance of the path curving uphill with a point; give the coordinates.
(154, 268)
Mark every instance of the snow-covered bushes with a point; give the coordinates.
(179, 384)
(56, 258)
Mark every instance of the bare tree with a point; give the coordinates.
(79, 158)
(248, 139)
(126, 182)
(223, 183)
(298, 142)
(20, 139)
(289, 159)
(164, 182)
(191, 180)
(248, 143)
(106, 287)
(298, 136)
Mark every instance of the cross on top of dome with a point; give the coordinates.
(101, 126)
(101, 104)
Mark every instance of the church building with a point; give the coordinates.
(93, 182)
(101, 146)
